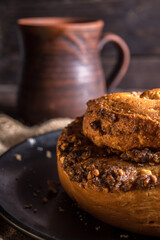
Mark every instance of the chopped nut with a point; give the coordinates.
(146, 171)
(156, 160)
(72, 138)
(95, 172)
(18, 157)
(110, 180)
(84, 166)
(28, 206)
(121, 172)
(62, 159)
(146, 181)
(106, 190)
(78, 142)
(70, 173)
(92, 166)
(48, 154)
(64, 146)
(154, 179)
(89, 176)
(151, 164)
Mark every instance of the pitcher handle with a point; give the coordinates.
(123, 59)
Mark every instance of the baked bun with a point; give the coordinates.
(119, 188)
(124, 121)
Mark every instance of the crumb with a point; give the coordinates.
(32, 141)
(48, 154)
(52, 186)
(35, 210)
(40, 149)
(18, 157)
(45, 200)
(52, 191)
(28, 206)
(61, 209)
(98, 228)
(151, 164)
(124, 236)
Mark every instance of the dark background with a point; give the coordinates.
(137, 21)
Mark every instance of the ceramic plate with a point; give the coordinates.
(33, 201)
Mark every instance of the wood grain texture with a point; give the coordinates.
(143, 73)
(137, 21)
(143, 80)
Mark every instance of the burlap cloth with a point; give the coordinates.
(11, 133)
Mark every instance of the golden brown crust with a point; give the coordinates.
(124, 121)
(113, 171)
(134, 211)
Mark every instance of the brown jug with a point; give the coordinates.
(62, 68)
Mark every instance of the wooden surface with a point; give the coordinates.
(8, 98)
(137, 21)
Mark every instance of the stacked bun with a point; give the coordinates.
(109, 160)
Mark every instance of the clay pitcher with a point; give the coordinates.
(62, 68)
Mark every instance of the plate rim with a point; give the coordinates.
(35, 137)
(17, 225)
(11, 219)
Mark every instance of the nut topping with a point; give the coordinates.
(95, 172)
(146, 171)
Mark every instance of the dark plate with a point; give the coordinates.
(25, 182)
